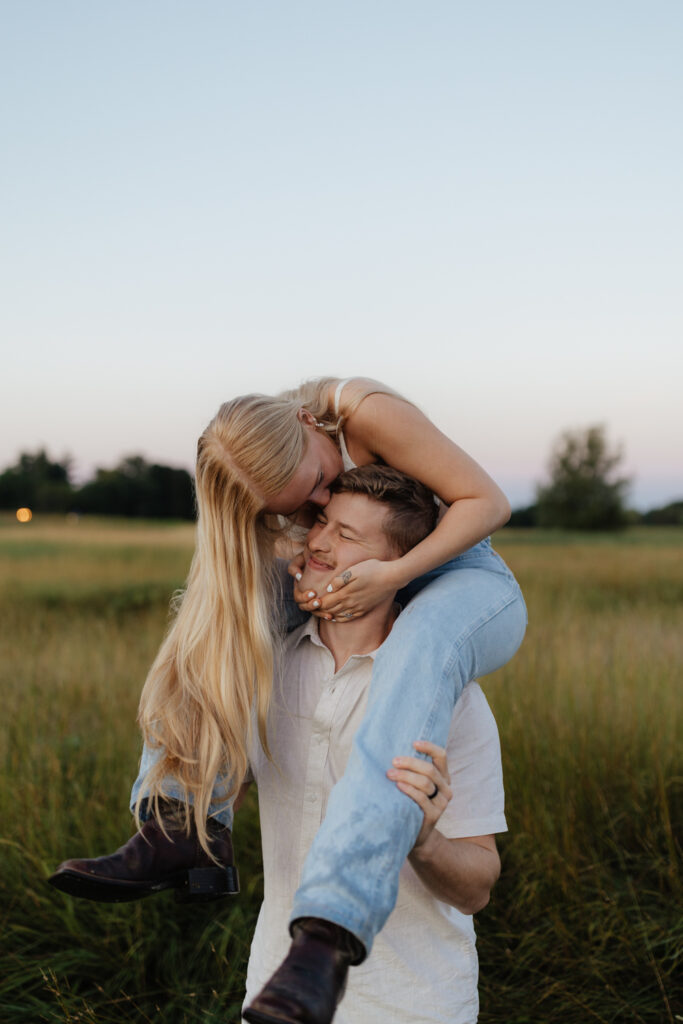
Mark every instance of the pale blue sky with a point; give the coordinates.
(478, 203)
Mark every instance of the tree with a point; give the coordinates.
(37, 482)
(133, 488)
(136, 488)
(670, 515)
(527, 516)
(583, 492)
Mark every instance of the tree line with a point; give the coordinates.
(133, 488)
(584, 489)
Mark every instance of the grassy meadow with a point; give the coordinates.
(586, 923)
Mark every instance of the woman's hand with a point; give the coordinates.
(307, 600)
(417, 778)
(296, 567)
(356, 590)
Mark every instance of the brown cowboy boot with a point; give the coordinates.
(151, 861)
(310, 981)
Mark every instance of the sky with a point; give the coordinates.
(478, 204)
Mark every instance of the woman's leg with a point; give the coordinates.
(464, 624)
(220, 807)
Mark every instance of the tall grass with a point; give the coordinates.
(586, 923)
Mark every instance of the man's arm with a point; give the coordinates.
(461, 872)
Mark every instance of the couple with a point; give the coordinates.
(259, 460)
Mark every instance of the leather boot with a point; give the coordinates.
(150, 862)
(310, 982)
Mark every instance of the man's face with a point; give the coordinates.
(347, 531)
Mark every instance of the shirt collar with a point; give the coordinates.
(310, 630)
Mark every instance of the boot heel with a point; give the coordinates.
(203, 884)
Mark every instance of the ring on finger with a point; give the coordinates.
(346, 615)
(430, 796)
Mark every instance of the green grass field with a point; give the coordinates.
(586, 923)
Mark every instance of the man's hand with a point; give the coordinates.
(457, 871)
(428, 783)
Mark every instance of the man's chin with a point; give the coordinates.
(316, 581)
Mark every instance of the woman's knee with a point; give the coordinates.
(498, 637)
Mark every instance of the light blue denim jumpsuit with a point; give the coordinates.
(459, 622)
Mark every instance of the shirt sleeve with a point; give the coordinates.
(474, 762)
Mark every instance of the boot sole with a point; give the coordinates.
(257, 1017)
(196, 885)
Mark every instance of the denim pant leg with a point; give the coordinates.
(220, 806)
(464, 624)
(290, 616)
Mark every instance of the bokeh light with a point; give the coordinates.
(24, 515)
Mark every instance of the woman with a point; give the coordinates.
(262, 459)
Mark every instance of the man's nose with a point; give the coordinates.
(320, 539)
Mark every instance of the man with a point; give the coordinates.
(423, 964)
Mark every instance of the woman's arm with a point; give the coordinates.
(386, 429)
(460, 872)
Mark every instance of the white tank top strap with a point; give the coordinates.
(347, 461)
(346, 458)
(337, 395)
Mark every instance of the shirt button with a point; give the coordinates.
(311, 798)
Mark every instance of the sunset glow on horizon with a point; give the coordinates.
(481, 206)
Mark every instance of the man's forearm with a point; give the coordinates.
(460, 872)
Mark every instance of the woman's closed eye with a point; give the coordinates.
(321, 477)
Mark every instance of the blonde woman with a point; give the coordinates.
(262, 464)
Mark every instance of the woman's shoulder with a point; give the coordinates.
(377, 420)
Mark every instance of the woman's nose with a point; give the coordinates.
(320, 496)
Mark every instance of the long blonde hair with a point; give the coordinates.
(215, 665)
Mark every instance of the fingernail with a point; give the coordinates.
(311, 593)
(330, 588)
(298, 576)
(316, 604)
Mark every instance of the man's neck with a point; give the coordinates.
(358, 636)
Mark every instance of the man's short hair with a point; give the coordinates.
(412, 508)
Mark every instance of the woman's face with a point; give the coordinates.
(310, 485)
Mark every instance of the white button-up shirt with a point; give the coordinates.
(423, 964)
